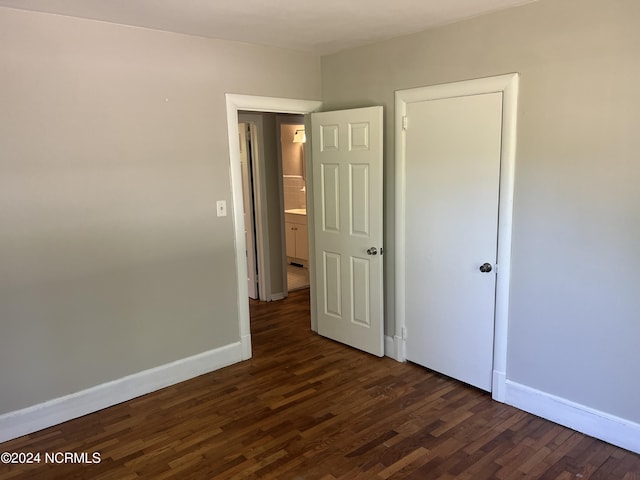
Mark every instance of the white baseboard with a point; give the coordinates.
(394, 348)
(277, 296)
(44, 415)
(245, 341)
(598, 424)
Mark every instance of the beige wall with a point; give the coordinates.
(114, 151)
(293, 182)
(291, 152)
(575, 306)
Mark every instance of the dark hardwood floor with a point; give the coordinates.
(307, 408)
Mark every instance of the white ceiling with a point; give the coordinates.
(322, 27)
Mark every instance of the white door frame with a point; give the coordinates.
(508, 86)
(257, 104)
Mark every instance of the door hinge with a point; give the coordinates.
(405, 122)
(404, 333)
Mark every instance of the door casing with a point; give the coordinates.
(508, 86)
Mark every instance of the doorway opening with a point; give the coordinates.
(291, 142)
(345, 184)
(273, 168)
(250, 105)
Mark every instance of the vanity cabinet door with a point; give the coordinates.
(290, 239)
(302, 242)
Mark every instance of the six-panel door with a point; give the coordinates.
(347, 186)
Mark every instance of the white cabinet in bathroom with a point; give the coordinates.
(297, 239)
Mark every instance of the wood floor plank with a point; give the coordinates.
(308, 408)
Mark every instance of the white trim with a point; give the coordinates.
(498, 385)
(615, 430)
(310, 222)
(508, 85)
(394, 348)
(245, 342)
(259, 104)
(44, 415)
(401, 348)
(278, 296)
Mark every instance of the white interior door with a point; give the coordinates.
(247, 197)
(452, 180)
(347, 191)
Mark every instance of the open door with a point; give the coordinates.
(247, 196)
(347, 191)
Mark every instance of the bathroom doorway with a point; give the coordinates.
(278, 190)
(291, 142)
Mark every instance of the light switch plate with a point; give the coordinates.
(221, 206)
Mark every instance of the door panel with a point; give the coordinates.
(290, 239)
(347, 172)
(330, 203)
(360, 289)
(332, 285)
(452, 191)
(359, 211)
(302, 242)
